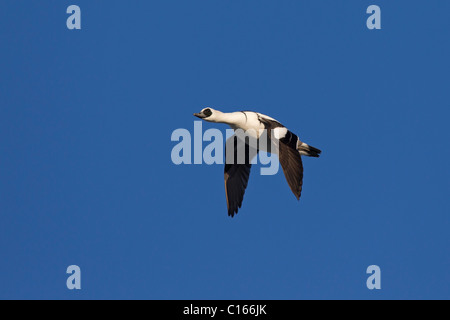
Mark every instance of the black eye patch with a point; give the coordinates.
(207, 112)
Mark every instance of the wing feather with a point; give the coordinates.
(236, 177)
(292, 165)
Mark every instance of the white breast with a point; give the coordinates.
(248, 122)
(251, 124)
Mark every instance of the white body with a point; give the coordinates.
(247, 121)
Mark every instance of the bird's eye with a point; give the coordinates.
(207, 112)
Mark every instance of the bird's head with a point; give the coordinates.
(208, 114)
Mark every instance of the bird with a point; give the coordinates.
(280, 140)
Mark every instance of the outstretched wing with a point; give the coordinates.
(292, 165)
(289, 156)
(237, 173)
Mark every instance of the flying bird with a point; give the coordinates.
(288, 147)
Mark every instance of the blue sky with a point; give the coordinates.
(86, 176)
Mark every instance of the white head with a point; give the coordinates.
(209, 114)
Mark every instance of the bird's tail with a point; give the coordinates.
(308, 150)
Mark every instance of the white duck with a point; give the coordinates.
(289, 149)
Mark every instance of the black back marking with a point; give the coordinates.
(290, 139)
